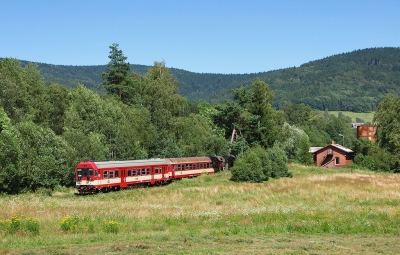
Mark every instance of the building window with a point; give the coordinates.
(337, 161)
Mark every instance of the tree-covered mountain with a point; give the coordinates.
(355, 81)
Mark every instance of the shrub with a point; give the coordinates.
(248, 168)
(278, 162)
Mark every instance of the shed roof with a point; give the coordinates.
(338, 146)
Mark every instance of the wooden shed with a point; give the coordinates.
(332, 155)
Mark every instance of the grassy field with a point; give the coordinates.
(318, 211)
(367, 117)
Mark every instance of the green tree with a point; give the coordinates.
(297, 114)
(45, 158)
(85, 124)
(58, 98)
(248, 168)
(115, 80)
(265, 123)
(291, 139)
(388, 132)
(303, 154)
(23, 92)
(278, 162)
(10, 178)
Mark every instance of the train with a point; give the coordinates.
(105, 176)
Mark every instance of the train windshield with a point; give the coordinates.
(84, 172)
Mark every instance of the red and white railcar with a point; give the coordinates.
(94, 176)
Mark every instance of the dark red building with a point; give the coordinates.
(332, 155)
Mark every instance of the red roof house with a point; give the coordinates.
(332, 155)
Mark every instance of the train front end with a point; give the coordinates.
(86, 176)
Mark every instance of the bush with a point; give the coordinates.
(248, 168)
(257, 165)
(278, 162)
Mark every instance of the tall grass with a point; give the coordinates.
(314, 201)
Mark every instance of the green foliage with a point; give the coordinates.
(248, 168)
(291, 140)
(257, 165)
(195, 137)
(44, 161)
(17, 224)
(297, 114)
(303, 155)
(388, 132)
(69, 223)
(58, 98)
(32, 226)
(23, 92)
(111, 227)
(115, 79)
(372, 157)
(278, 162)
(354, 81)
(10, 178)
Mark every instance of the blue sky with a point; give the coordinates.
(208, 36)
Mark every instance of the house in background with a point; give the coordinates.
(332, 155)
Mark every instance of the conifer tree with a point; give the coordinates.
(115, 80)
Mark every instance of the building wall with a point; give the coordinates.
(344, 159)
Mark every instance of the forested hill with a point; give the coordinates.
(354, 81)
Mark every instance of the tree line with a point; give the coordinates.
(45, 130)
(353, 81)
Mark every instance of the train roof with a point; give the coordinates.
(148, 162)
(190, 160)
(128, 163)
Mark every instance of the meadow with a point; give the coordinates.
(318, 211)
(367, 117)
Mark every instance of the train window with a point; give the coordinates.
(133, 172)
(96, 173)
(143, 171)
(105, 175)
(148, 171)
(129, 172)
(116, 173)
(111, 175)
(157, 170)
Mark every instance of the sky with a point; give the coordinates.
(207, 36)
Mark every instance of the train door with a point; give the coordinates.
(123, 177)
(152, 175)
